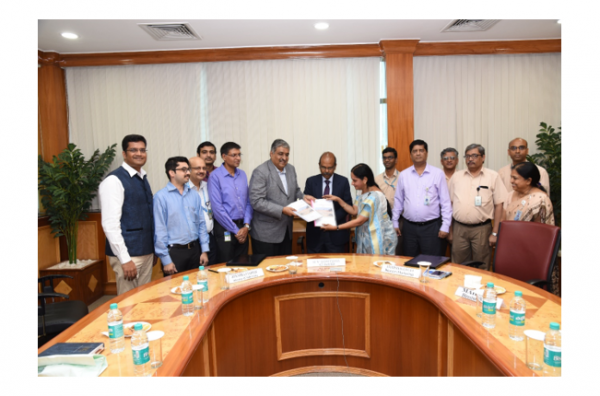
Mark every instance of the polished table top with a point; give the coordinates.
(154, 303)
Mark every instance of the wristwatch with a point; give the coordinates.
(338, 228)
(247, 226)
(495, 234)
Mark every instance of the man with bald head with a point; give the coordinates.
(518, 150)
(328, 183)
(198, 173)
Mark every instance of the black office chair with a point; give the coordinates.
(58, 316)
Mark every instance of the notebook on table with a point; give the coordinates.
(247, 260)
(74, 348)
(435, 261)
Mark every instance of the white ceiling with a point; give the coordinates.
(124, 34)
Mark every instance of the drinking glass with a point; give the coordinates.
(424, 265)
(222, 276)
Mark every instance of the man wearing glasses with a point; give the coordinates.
(477, 195)
(518, 150)
(328, 183)
(449, 160)
(180, 230)
(197, 183)
(228, 190)
(127, 220)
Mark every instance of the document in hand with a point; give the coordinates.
(304, 211)
(325, 208)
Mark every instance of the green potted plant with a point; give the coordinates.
(549, 157)
(67, 186)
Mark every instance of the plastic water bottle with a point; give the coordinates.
(552, 351)
(517, 317)
(140, 349)
(489, 307)
(115, 329)
(203, 280)
(187, 297)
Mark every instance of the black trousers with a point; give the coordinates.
(283, 248)
(423, 239)
(185, 259)
(324, 245)
(229, 250)
(212, 245)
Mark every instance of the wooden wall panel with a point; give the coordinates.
(87, 241)
(220, 55)
(488, 47)
(400, 97)
(52, 105)
(48, 248)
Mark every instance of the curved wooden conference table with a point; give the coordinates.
(282, 324)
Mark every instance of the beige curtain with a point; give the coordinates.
(486, 99)
(315, 105)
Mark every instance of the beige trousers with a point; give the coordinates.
(471, 244)
(144, 272)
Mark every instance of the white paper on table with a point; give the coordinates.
(472, 281)
(325, 208)
(304, 211)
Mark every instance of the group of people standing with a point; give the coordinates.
(204, 214)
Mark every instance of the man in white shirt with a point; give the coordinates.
(127, 217)
(518, 150)
(197, 183)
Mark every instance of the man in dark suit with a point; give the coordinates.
(328, 183)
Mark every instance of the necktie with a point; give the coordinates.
(326, 192)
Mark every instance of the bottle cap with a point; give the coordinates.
(201, 267)
(554, 326)
(518, 294)
(490, 285)
(138, 326)
(186, 278)
(113, 306)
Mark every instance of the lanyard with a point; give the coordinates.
(204, 207)
(392, 184)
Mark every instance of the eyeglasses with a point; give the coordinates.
(197, 168)
(184, 170)
(515, 148)
(135, 151)
(326, 168)
(234, 155)
(391, 157)
(449, 158)
(473, 156)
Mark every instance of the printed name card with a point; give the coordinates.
(243, 276)
(325, 262)
(466, 293)
(402, 271)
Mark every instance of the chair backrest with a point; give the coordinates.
(526, 250)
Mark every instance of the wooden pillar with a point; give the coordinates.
(400, 96)
(52, 106)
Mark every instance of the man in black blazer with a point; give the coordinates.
(328, 183)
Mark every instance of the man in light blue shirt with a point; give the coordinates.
(179, 228)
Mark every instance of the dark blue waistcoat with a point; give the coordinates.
(137, 216)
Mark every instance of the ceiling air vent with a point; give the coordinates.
(470, 25)
(175, 31)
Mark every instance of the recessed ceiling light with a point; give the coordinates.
(558, 21)
(321, 25)
(70, 35)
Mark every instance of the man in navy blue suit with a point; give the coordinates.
(328, 183)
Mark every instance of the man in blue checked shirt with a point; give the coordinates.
(179, 228)
(228, 190)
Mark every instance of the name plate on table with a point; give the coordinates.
(243, 276)
(466, 293)
(402, 271)
(325, 262)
